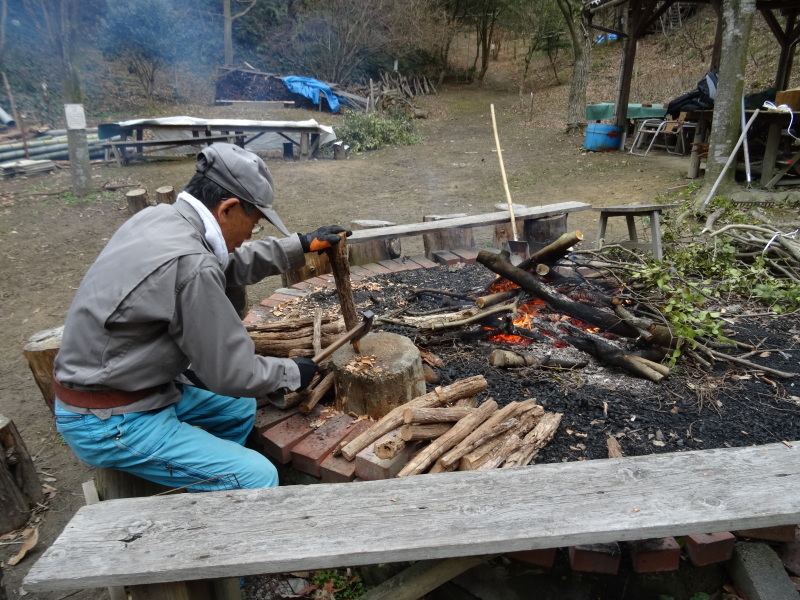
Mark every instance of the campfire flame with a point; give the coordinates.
(525, 319)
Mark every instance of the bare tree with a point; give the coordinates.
(56, 20)
(228, 19)
(582, 55)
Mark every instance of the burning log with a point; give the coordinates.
(497, 298)
(280, 338)
(423, 416)
(413, 433)
(439, 446)
(606, 321)
(508, 359)
(611, 355)
(551, 253)
(491, 428)
(534, 441)
(462, 388)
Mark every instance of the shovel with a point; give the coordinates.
(516, 248)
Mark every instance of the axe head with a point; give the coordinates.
(365, 325)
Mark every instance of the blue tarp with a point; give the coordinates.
(310, 88)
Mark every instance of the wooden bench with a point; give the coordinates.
(651, 211)
(120, 148)
(157, 544)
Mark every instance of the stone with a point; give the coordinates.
(758, 572)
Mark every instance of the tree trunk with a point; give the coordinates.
(580, 34)
(387, 376)
(539, 233)
(137, 200)
(450, 239)
(165, 195)
(20, 488)
(737, 19)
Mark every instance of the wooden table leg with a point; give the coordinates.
(770, 153)
(655, 234)
(601, 232)
(304, 146)
(694, 156)
(630, 220)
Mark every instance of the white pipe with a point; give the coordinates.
(731, 158)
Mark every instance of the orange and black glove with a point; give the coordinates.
(322, 238)
(308, 368)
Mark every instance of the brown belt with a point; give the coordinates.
(109, 399)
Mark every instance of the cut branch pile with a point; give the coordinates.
(393, 89)
(459, 437)
(780, 250)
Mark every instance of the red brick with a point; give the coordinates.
(423, 261)
(545, 557)
(781, 533)
(709, 548)
(283, 298)
(395, 266)
(279, 440)
(268, 416)
(595, 558)
(302, 285)
(308, 454)
(467, 255)
(376, 269)
(257, 314)
(370, 467)
(337, 469)
(655, 555)
(320, 281)
(445, 257)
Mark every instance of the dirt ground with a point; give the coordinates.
(49, 240)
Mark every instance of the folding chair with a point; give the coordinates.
(678, 128)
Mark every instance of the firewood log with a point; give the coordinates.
(534, 441)
(463, 388)
(439, 446)
(509, 445)
(471, 402)
(412, 433)
(390, 447)
(527, 421)
(447, 414)
(478, 437)
(316, 394)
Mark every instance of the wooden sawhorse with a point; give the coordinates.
(653, 211)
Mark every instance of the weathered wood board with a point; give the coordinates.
(532, 212)
(295, 528)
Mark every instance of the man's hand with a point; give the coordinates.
(322, 238)
(308, 368)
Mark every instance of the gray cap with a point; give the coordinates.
(243, 174)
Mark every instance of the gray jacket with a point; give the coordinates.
(154, 302)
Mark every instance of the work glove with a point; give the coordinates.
(308, 368)
(322, 238)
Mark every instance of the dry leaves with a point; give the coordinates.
(31, 538)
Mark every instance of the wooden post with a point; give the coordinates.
(20, 488)
(541, 232)
(337, 255)
(41, 351)
(165, 195)
(451, 239)
(502, 232)
(137, 200)
(372, 252)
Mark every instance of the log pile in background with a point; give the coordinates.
(393, 89)
(459, 436)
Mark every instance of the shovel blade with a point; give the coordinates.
(518, 251)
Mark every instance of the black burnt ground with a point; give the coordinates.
(689, 410)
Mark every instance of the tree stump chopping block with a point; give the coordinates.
(541, 232)
(387, 374)
(450, 239)
(372, 252)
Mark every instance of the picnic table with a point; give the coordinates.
(605, 110)
(131, 137)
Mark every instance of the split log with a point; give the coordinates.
(20, 488)
(280, 338)
(413, 433)
(470, 402)
(497, 457)
(534, 441)
(527, 421)
(165, 195)
(317, 394)
(388, 375)
(337, 255)
(391, 446)
(605, 320)
(372, 252)
(428, 455)
(422, 416)
(449, 239)
(137, 200)
(40, 351)
(488, 430)
(463, 388)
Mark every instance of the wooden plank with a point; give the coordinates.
(494, 218)
(477, 512)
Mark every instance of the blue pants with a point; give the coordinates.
(197, 442)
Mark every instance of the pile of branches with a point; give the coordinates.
(778, 249)
(392, 90)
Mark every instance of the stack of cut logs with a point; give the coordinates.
(454, 433)
(393, 89)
